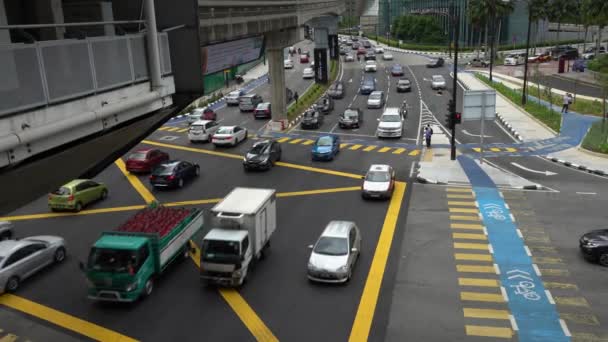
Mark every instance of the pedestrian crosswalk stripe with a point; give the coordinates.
(475, 226)
(546, 260)
(465, 218)
(476, 149)
(581, 318)
(370, 148)
(475, 269)
(482, 297)
(414, 153)
(384, 149)
(561, 286)
(494, 149)
(487, 331)
(355, 147)
(343, 145)
(478, 282)
(463, 210)
(182, 130)
(467, 190)
(571, 301)
(485, 313)
(476, 246)
(467, 196)
(399, 150)
(463, 203)
(308, 142)
(554, 272)
(295, 141)
(282, 140)
(472, 256)
(469, 236)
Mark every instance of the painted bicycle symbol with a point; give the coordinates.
(525, 287)
(495, 211)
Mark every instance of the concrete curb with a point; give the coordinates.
(508, 126)
(576, 166)
(429, 181)
(530, 187)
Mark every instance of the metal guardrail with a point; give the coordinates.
(49, 72)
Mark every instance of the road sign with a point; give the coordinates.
(476, 102)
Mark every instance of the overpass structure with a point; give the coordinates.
(84, 81)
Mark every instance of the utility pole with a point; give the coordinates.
(492, 33)
(455, 84)
(524, 95)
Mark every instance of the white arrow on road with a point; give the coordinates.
(350, 81)
(546, 173)
(475, 135)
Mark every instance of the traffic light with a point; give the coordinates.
(451, 107)
(449, 117)
(449, 123)
(458, 118)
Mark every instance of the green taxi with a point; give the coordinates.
(77, 194)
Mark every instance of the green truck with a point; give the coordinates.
(123, 263)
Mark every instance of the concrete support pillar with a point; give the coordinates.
(152, 45)
(276, 42)
(5, 37)
(320, 55)
(332, 39)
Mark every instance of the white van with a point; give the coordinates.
(515, 59)
(202, 130)
(390, 124)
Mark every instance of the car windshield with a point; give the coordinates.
(263, 106)
(350, 114)
(218, 251)
(111, 260)
(196, 127)
(391, 118)
(324, 141)
(164, 169)
(138, 156)
(437, 78)
(309, 114)
(377, 176)
(224, 130)
(63, 191)
(234, 93)
(258, 148)
(404, 82)
(331, 246)
(375, 96)
(370, 63)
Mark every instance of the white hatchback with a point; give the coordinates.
(288, 64)
(371, 66)
(308, 73)
(379, 182)
(334, 255)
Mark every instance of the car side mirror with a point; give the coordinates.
(310, 246)
(354, 250)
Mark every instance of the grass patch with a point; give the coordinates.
(596, 139)
(581, 106)
(547, 116)
(313, 93)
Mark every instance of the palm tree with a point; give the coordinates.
(536, 12)
(559, 10)
(599, 14)
(587, 19)
(477, 18)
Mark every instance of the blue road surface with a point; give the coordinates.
(536, 318)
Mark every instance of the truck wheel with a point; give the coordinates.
(149, 287)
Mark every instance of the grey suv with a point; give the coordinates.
(249, 102)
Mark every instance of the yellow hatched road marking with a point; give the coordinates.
(164, 128)
(173, 129)
(486, 331)
(355, 147)
(282, 140)
(478, 282)
(61, 319)
(308, 142)
(482, 297)
(370, 148)
(295, 141)
(9, 338)
(463, 210)
(183, 130)
(572, 301)
(554, 272)
(476, 149)
(343, 145)
(580, 318)
(465, 218)
(477, 246)
(467, 196)
(485, 313)
(414, 153)
(399, 150)
(494, 149)
(511, 149)
(384, 149)
(475, 269)
(369, 299)
(463, 203)
(472, 257)
(468, 236)
(546, 260)
(561, 286)
(475, 226)
(137, 184)
(467, 190)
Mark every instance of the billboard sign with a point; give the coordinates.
(222, 56)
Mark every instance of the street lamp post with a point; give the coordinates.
(455, 84)
(524, 96)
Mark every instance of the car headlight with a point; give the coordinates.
(591, 244)
(343, 269)
(132, 286)
(244, 159)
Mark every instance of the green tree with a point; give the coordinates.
(599, 13)
(561, 11)
(418, 29)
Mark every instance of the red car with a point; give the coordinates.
(540, 58)
(145, 160)
(303, 58)
(361, 51)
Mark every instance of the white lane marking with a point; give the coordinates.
(412, 169)
(420, 97)
(474, 135)
(319, 132)
(519, 233)
(546, 173)
(350, 81)
(485, 231)
(504, 294)
(513, 323)
(490, 248)
(565, 328)
(549, 297)
(527, 250)
(244, 122)
(512, 217)
(496, 269)
(333, 128)
(586, 193)
(537, 270)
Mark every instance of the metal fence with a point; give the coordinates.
(48, 72)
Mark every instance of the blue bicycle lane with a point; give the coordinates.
(535, 315)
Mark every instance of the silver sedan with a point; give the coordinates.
(20, 259)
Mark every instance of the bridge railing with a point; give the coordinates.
(49, 72)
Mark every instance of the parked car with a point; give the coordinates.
(76, 194)
(312, 119)
(540, 57)
(229, 135)
(288, 64)
(515, 59)
(335, 253)
(325, 105)
(387, 56)
(371, 66)
(262, 155)
(435, 63)
(304, 59)
(438, 82)
(326, 147)
(397, 70)
(205, 113)
(6, 230)
(336, 90)
(375, 99)
(390, 124)
(262, 111)
(594, 246)
(378, 49)
(351, 118)
(144, 160)
(370, 56)
(379, 182)
(308, 73)
(249, 102)
(202, 130)
(349, 58)
(479, 63)
(566, 52)
(404, 85)
(579, 65)
(174, 174)
(368, 85)
(21, 259)
(232, 99)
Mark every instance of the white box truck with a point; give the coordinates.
(241, 227)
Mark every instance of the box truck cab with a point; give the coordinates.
(241, 227)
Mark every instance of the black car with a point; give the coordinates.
(325, 105)
(570, 53)
(404, 85)
(351, 118)
(594, 246)
(174, 173)
(262, 155)
(336, 90)
(312, 119)
(370, 56)
(435, 63)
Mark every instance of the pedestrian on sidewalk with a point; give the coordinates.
(296, 96)
(428, 132)
(567, 101)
